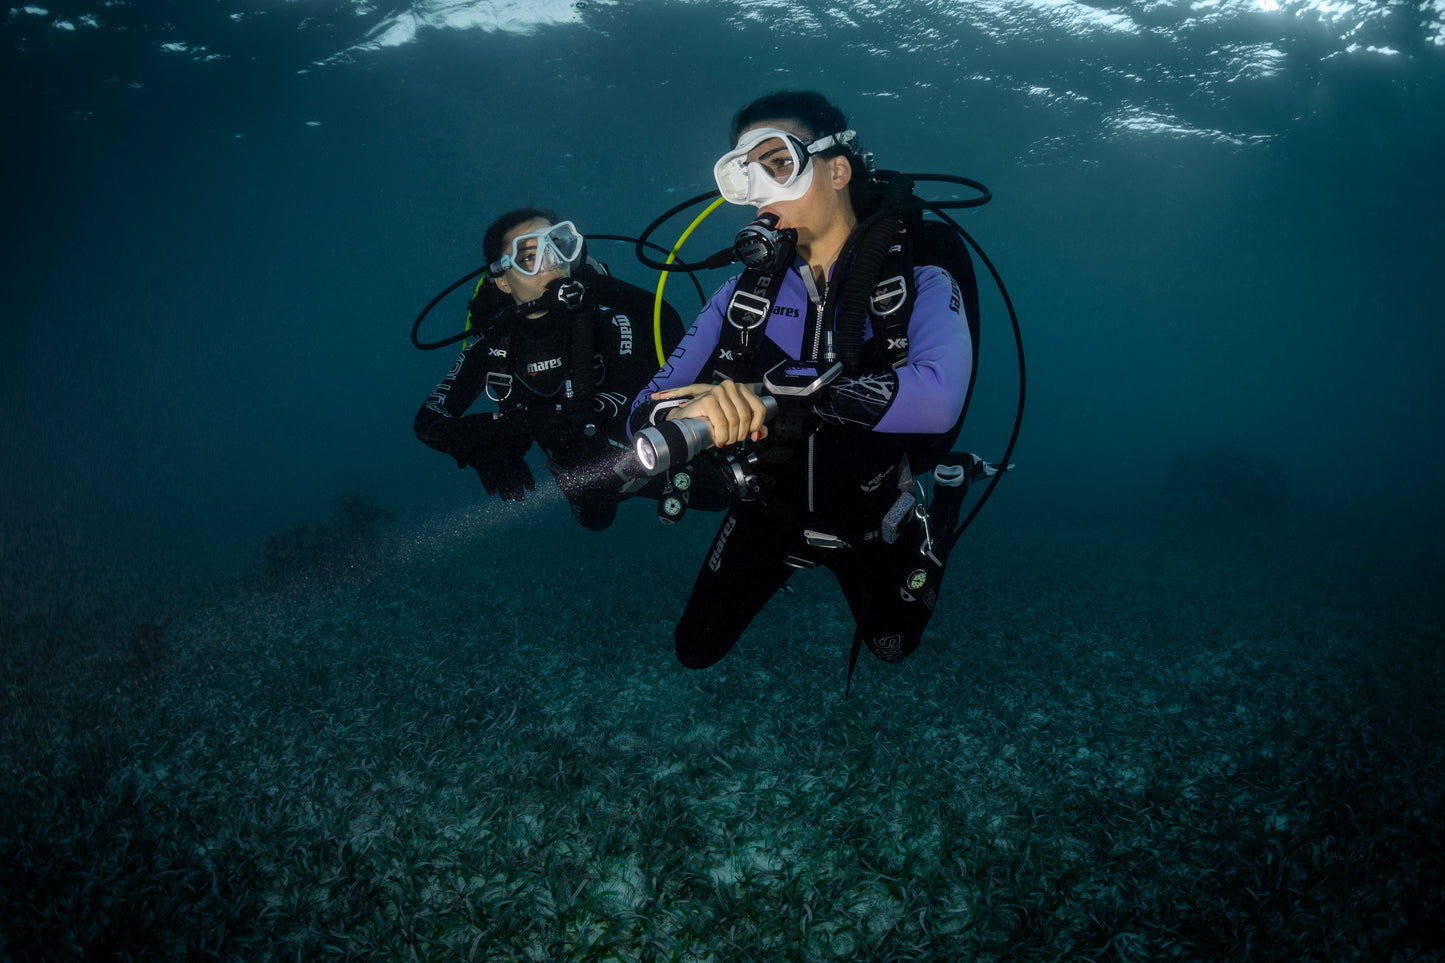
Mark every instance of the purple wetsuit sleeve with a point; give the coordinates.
(934, 382)
(685, 365)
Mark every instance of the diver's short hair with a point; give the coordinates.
(497, 230)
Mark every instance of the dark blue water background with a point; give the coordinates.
(1221, 224)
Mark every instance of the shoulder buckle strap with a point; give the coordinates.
(499, 381)
(747, 312)
(891, 303)
(889, 295)
(752, 300)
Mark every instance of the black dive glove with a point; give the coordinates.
(503, 473)
(496, 448)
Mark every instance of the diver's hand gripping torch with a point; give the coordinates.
(678, 442)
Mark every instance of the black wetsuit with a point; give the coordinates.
(530, 368)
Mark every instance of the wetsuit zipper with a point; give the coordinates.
(817, 352)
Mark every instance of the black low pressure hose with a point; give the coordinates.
(867, 264)
(701, 296)
(1004, 462)
(430, 345)
(721, 259)
(416, 325)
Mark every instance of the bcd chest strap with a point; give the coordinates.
(578, 353)
(890, 304)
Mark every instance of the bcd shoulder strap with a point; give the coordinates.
(496, 340)
(890, 304)
(744, 323)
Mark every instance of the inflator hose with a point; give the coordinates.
(868, 263)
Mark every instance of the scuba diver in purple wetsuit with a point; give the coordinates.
(830, 376)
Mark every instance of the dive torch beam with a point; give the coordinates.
(679, 441)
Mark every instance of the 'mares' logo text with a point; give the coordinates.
(624, 332)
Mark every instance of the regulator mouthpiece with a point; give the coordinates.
(567, 292)
(763, 246)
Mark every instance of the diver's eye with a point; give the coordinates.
(775, 158)
(779, 166)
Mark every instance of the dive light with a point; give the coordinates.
(679, 441)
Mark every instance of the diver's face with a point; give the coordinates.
(809, 211)
(524, 287)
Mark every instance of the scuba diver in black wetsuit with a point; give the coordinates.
(560, 348)
(836, 369)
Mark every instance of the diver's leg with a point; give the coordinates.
(742, 569)
(594, 513)
(593, 507)
(583, 470)
(891, 592)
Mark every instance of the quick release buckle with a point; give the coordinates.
(823, 539)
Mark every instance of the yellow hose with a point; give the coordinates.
(662, 282)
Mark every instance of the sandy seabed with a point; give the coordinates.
(1123, 739)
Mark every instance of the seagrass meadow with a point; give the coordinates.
(1124, 739)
